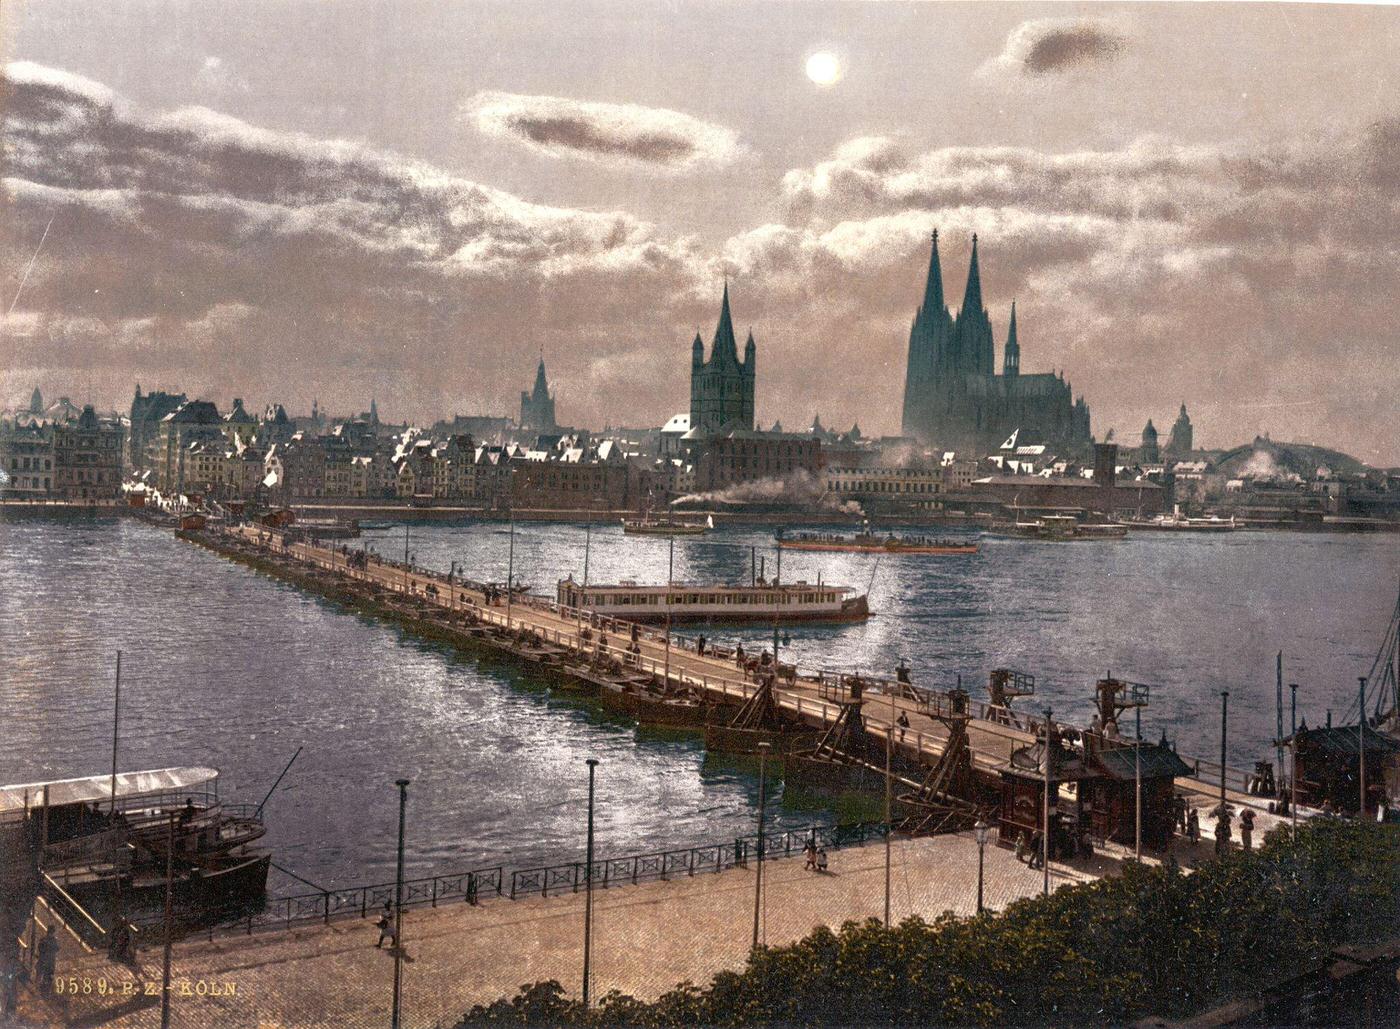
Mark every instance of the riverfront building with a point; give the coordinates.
(88, 458)
(953, 397)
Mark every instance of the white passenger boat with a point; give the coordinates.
(693, 602)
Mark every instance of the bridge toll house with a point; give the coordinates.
(1119, 763)
(1328, 765)
(1022, 807)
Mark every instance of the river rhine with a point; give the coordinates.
(228, 668)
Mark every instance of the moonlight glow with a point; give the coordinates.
(823, 68)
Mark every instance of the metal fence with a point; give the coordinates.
(686, 862)
(482, 884)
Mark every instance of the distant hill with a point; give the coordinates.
(1267, 459)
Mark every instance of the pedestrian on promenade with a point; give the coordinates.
(1247, 829)
(1021, 846)
(636, 632)
(739, 654)
(1222, 829)
(386, 927)
(700, 645)
(48, 960)
(1037, 858)
(1193, 826)
(903, 722)
(810, 853)
(821, 859)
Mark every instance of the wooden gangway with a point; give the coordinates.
(812, 699)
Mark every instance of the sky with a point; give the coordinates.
(290, 201)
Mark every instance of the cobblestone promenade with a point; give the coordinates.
(647, 938)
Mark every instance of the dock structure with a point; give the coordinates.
(665, 680)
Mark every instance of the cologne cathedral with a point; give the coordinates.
(953, 398)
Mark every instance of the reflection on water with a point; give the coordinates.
(225, 667)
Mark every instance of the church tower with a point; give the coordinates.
(1011, 359)
(537, 406)
(928, 368)
(722, 388)
(1182, 439)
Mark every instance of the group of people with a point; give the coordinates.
(816, 857)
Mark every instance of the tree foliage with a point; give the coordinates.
(1152, 941)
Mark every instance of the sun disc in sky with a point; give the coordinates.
(824, 68)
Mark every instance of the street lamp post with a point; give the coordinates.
(889, 745)
(1293, 764)
(1221, 845)
(402, 784)
(1137, 785)
(763, 749)
(588, 888)
(980, 830)
(1361, 743)
(1045, 815)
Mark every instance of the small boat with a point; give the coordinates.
(647, 526)
(867, 542)
(692, 602)
(376, 526)
(1062, 528)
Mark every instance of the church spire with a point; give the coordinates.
(724, 341)
(541, 390)
(972, 297)
(933, 288)
(1011, 360)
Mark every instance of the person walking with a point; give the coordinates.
(386, 927)
(1222, 829)
(1037, 858)
(1247, 829)
(810, 853)
(1193, 826)
(821, 859)
(47, 960)
(903, 722)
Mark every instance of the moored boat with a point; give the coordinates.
(693, 602)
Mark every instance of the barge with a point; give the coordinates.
(871, 543)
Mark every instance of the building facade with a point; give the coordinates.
(953, 397)
(88, 458)
(26, 455)
(722, 388)
(738, 456)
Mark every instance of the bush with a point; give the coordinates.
(1153, 941)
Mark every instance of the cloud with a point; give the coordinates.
(1148, 272)
(629, 134)
(279, 260)
(1054, 46)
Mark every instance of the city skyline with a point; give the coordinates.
(1178, 209)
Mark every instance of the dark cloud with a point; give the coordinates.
(1064, 48)
(1047, 46)
(626, 133)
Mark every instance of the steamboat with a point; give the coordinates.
(1062, 528)
(867, 542)
(692, 602)
(108, 848)
(647, 526)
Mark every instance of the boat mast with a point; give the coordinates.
(116, 716)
